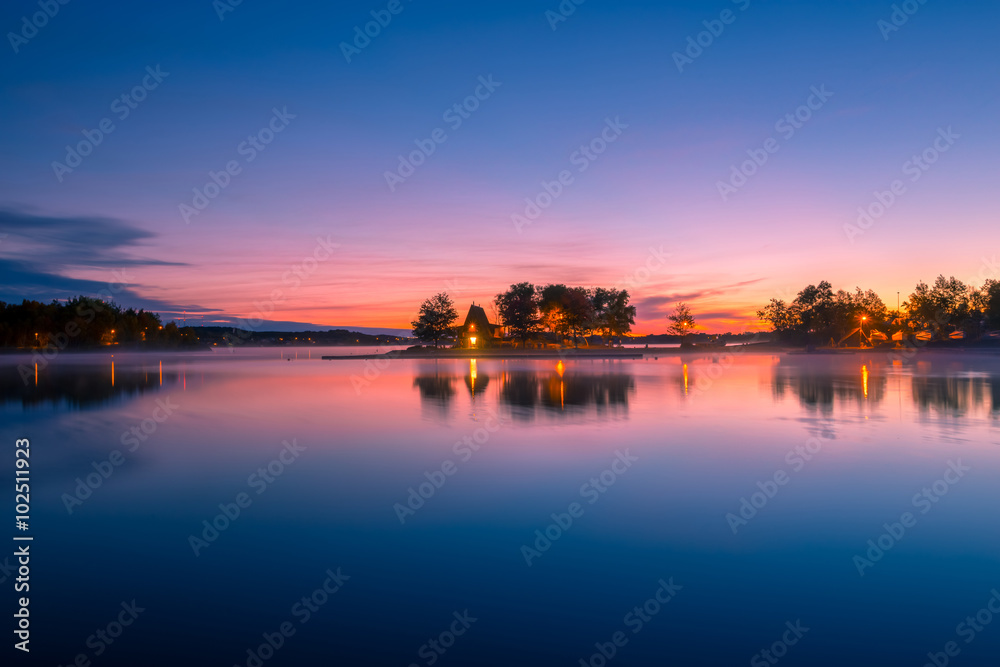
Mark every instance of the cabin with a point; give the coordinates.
(477, 332)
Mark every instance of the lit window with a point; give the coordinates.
(472, 340)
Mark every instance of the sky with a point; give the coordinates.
(595, 144)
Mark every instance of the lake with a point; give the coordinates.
(263, 507)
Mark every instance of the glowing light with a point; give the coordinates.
(472, 340)
(685, 379)
(36, 372)
(560, 368)
(864, 380)
(112, 373)
(161, 373)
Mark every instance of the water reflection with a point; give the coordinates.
(817, 384)
(439, 388)
(947, 389)
(556, 391)
(955, 395)
(79, 386)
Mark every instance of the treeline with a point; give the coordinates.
(819, 315)
(84, 322)
(526, 311)
(574, 312)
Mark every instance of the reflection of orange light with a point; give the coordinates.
(560, 368)
(473, 370)
(864, 380)
(36, 372)
(112, 373)
(685, 379)
(161, 373)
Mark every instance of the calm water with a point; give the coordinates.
(743, 493)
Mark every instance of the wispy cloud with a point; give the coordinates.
(40, 254)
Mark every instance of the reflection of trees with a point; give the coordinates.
(520, 388)
(476, 384)
(954, 395)
(531, 390)
(553, 392)
(435, 387)
(817, 385)
(81, 386)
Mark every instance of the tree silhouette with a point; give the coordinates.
(681, 320)
(612, 314)
(437, 317)
(519, 309)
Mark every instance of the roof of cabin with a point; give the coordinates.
(478, 317)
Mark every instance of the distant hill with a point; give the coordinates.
(281, 326)
(214, 335)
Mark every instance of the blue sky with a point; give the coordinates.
(449, 224)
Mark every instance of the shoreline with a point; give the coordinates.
(570, 353)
